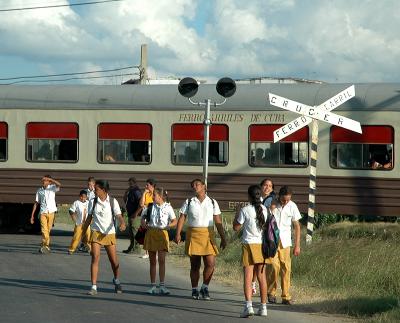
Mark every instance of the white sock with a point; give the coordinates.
(204, 286)
(264, 306)
(162, 284)
(249, 304)
(116, 281)
(94, 287)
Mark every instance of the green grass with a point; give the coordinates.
(350, 269)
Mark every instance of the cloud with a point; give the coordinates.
(341, 41)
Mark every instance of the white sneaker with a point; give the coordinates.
(145, 256)
(262, 311)
(152, 290)
(247, 311)
(164, 291)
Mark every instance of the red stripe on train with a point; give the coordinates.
(125, 131)
(51, 130)
(265, 133)
(195, 132)
(370, 135)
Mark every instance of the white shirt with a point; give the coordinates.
(81, 211)
(102, 216)
(200, 214)
(90, 194)
(161, 215)
(284, 217)
(46, 197)
(248, 218)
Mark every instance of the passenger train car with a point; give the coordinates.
(115, 132)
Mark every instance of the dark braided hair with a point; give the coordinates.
(254, 192)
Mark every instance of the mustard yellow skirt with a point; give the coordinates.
(156, 240)
(103, 239)
(200, 242)
(252, 254)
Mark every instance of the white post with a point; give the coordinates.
(207, 123)
(313, 181)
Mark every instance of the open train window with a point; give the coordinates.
(124, 143)
(3, 141)
(373, 149)
(187, 144)
(51, 142)
(291, 151)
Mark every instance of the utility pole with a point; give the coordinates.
(143, 64)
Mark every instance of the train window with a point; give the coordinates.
(3, 141)
(126, 143)
(51, 142)
(373, 149)
(187, 144)
(291, 151)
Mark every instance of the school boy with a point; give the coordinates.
(201, 212)
(45, 198)
(78, 213)
(286, 215)
(90, 188)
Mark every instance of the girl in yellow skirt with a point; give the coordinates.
(158, 217)
(252, 218)
(104, 211)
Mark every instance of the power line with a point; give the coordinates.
(67, 74)
(71, 78)
(60, 5)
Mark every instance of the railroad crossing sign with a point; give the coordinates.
(321, 112)
(313, 114)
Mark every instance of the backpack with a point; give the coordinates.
(141, 232)
(148, 212)
(270, 237)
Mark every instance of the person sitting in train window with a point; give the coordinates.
(259, 157)
(109, 158)
(44, 152)
(380, 157)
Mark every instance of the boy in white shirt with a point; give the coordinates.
(78, 212)
(45, 198)
(286, 215)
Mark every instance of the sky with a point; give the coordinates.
(334, 41)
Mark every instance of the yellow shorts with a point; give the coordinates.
(156, 240)
(252, 254)
(103, 239)
(200, 242)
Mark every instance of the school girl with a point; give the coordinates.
(202, 212)
(158, 217)
(252, 218)
(104, 210)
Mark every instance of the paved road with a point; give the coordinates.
(52, 288)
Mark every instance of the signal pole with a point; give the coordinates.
(143, 64)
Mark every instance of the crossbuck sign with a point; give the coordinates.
(308, 113)
(312, 114)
